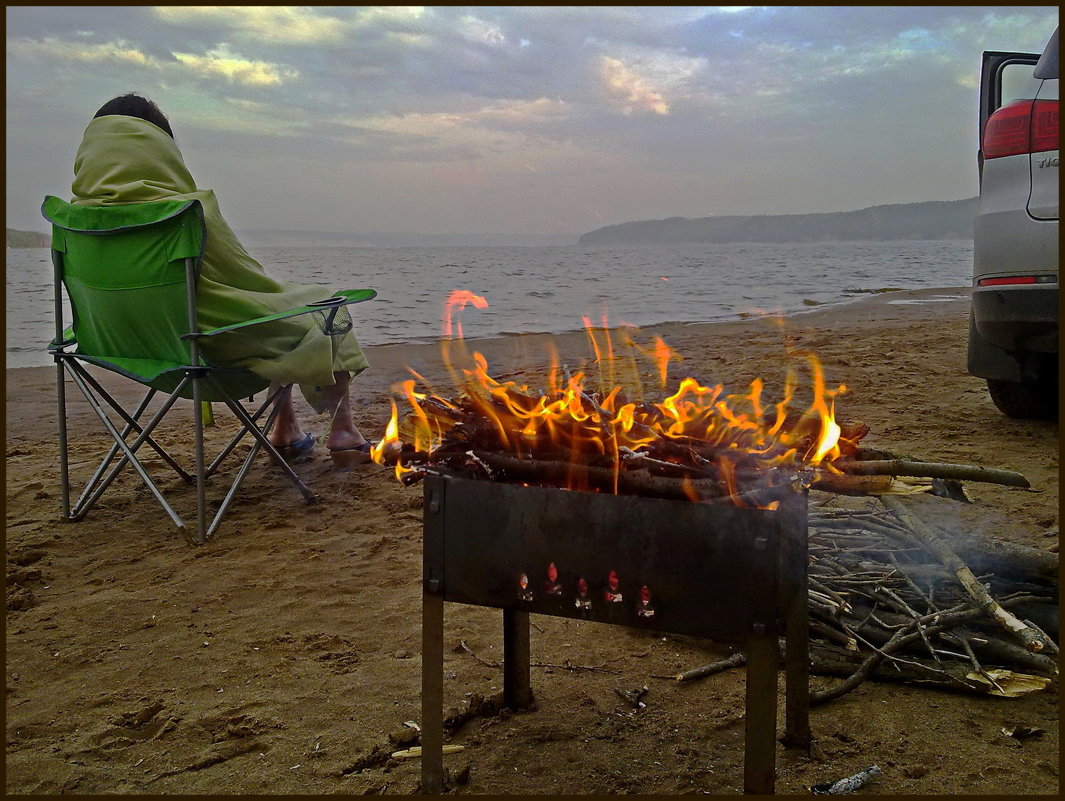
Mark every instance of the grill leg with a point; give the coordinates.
(517, 688)
(432, 692)
(794, 590)
(797, 675)
(760, 717)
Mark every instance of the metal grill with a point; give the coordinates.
(717, 571)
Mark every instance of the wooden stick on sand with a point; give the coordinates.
(1029, 637)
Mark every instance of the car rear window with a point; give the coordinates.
(1018, 82)
(1047, 67)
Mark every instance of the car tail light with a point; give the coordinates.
(1022, 127)
(1017, 279)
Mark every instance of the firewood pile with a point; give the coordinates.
(889, 596)
(890, 599)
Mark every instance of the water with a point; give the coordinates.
(549, 289)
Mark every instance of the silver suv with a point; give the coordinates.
(1013, 328)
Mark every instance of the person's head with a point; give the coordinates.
(133, 105)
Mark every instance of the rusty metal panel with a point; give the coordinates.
(707, 567)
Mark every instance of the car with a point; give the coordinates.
(1013, 324)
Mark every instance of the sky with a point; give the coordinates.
(523, 120)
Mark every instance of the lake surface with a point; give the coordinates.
(549, 289)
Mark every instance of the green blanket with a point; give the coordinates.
(129, 160)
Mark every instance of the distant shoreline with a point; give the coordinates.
(873, 308)
(932, 220)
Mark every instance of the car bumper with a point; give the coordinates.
(1022, 318)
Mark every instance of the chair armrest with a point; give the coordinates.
(343, 297)
(67, 340)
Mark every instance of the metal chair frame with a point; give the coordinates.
(196, 375)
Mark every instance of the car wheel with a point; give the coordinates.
(1027, 400)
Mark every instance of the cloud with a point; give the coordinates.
(218, 62)
(49, 49)
(276, 24)
(524, 112)
(629, 91)
(235, 68)
(388, 14)
(478, 31)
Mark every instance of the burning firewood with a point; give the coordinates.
(698, 443)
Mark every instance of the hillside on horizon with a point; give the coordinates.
(27, 239)
(935, 219)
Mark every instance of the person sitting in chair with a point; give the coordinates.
(128, 155)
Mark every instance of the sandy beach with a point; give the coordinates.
(281, 656)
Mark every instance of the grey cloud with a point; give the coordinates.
(324, 142)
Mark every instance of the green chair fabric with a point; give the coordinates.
(125, 274)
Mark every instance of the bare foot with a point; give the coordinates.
(286, 428)
(344, 439)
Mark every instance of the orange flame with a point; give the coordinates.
(460, 298)
(740, 428)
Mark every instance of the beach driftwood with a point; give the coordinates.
(960, 472)
(830, 660)
(848, 784)
(416, 751)
(633, 698)
(736, 660)
(984, 554)
(1031, 638)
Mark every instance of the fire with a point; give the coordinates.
(460, 298)
(572, 422)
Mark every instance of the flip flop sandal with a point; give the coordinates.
(298, 449)
(345, 459)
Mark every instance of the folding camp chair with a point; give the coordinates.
(130, 274)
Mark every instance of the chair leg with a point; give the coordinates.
(113, 452)
(267, 404)
(107, 472)
(201, 478)
(253, 429)
(128, 450)
(132, 423)
(98, 483)
(64, 464)
(243, 472)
